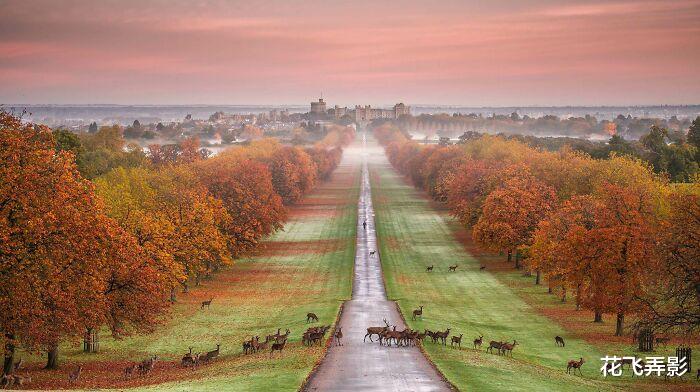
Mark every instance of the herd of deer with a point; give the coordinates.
(451, 268)
(275, 342)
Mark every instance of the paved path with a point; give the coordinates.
(358, 366)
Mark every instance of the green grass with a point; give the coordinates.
(305, 268)
(413, 235)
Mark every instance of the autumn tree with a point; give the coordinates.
(64, 265)
(511, 213)
(245, 189)
(293, 173)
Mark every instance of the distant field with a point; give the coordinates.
(307, 267)
(498, 305)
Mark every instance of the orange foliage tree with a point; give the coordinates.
(64, 265)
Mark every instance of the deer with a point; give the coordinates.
(187, 359)
(478, 341)
(457, 340)
(443, 336)
(213, 354)
(453, 268)
(558, 340)
(129, 370)
(371, 253)
(508, 348)
(338, 336)
(274, 335)
(207, 303)
(75, 374)
(376, 331)
(15, 379)
(418, 312)
(263, 346)
(279, 337)
(311, 317)
(147, 365)
(429, 269)
(494, 344)
(574, 365)
(277, 347)
(481, 268)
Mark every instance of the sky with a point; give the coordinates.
(468, 53)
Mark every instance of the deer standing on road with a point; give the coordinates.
(376, 331)
(574, 365)
(559, 341)
(338, 336)
(418, 312)
(371, 254)
(453, 268)
(207, 303)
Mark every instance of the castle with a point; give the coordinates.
(359, 114)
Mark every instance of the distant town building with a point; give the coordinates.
(319, 107)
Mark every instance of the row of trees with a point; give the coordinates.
(79, 255)
(610, 232)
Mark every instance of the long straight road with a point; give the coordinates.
(364, 366)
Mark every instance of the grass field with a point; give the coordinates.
(305, 268)
(498, 305)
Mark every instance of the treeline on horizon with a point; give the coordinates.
(627, 127)
(611, 233)
(95, 235)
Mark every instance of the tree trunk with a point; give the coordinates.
(517, 260)
(510, 255)
(620, 326)
(9, 354)
(537, 277)
(598, 318)
(563, 294)
(52, 359)
(173, 296)
(549, 290)
(185, 287)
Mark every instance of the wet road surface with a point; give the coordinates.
(364, 366)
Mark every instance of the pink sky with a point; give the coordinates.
(480, 53)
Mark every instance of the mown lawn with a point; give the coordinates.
(305, 268)
(413, 235)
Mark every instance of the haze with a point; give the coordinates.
(494, 53)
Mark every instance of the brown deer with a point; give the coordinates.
(187, 359)
(574, 365)
(311, 317)
(129, 370)
(147, 365)
(263, 346)
(443, 336)
(376, 331)
(213, 354)
(338, 337)
(508, 348)
(280, 337)
(494, 344)
(457, 340)
(274, 335)
(277, 347)
(478, 342)
(453, 268)
(207, 303)
(429, 269)
(371, 254)
(558, 340)
(75, 374)
(418, 312)
(481, 268)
